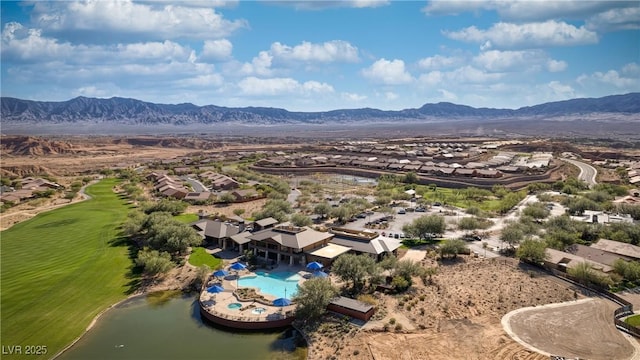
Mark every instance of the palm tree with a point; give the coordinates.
(485, 245)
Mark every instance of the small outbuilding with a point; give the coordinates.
(351, 307)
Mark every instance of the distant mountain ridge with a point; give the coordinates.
(132, 111)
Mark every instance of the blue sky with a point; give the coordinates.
(321, 55)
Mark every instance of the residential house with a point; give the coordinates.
(563, 261)
(198, 196)
(265, 223)
(287, 244)
(619, 248)
(365, 242)
(217, 231)
(245, 195)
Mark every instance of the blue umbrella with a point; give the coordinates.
(215, 289)
(320, 274)
(238, 266)
(314, 266)
(281, 302)
(220, 273)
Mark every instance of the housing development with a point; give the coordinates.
(375, 238)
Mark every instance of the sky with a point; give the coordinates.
(321, 55)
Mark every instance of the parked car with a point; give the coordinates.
(402, 211)
(397, 236)
(437, 203)
(421, 209)
(471, 237)
(361, 216)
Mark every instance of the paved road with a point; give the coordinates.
(587, 172)
(196, 185)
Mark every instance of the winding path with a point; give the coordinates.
(587, 172)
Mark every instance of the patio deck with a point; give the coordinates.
(214, 307)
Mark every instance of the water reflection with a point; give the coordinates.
(169, 326)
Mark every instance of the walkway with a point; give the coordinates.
(587, 172)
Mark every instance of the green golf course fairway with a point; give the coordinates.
(60, 269)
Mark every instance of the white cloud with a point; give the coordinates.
(612, 77)
(28, 45)
(625, 80)
(330, 51)
(561, 91)
(281, 86)
(140, 19)
(439, 62)
(213, 50)
(530, 35)
(151, 51)
(464, 75)
(329, 4)
(206, 80)
(390, 95)
(260, 65)
(388, 72)
(104, 90)
(527, 10)
(470, 74)
(316, 87)
(556, 65)
(631, 69)
(431, 78)
(447, 95)
(616, 19)
(353, 97)
(25, 44)
(517, 61)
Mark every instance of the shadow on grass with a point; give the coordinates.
(135, 272)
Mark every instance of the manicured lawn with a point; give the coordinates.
(200, 257)
(61, 268)
(633, 320)
(186, 218)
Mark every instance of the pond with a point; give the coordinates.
(171, 328)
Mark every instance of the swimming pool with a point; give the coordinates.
(234, 306)
(273, 283)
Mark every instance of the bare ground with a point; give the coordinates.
(579, 330)
(458, 317)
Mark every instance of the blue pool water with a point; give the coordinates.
(234, 306)
(273, 283)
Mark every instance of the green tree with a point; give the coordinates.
(313, 297)
(629, 270)
(202, 275)
(408, 269)
(512, 234)
(343, 212)
(452, 247)
(133, 225)
(425, 227)
(226, 198)
(298, 219)
(473, 223)
(536, 210)
(154, 262)
(175, 207)
(238, 212)
(323, 209)
(354, 269)
(275, 208)
(585, 274)
(164, 233)
(410, 178)
(532, 250)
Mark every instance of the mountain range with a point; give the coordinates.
(135, 112)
